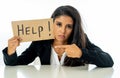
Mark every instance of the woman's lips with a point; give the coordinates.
(61, 36)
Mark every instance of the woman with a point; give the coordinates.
(71, 46)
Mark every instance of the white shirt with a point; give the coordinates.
(54, 58)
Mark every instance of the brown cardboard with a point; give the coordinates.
(33, 30)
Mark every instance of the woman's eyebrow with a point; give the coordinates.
(57, 21)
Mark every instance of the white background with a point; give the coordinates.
(101, 19)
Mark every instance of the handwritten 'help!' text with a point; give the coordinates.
(33, 30)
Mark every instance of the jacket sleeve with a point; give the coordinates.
(94, 55)
(25, 58)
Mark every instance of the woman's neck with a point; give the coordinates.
(55, 43)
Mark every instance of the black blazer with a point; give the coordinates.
(92, 54)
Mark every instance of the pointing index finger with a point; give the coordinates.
(61, 46)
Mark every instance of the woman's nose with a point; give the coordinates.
(63, 30)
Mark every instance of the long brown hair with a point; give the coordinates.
(77, 35)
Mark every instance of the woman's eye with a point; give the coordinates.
(69, 26)
(59, 24)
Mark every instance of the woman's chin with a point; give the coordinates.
(60, 40)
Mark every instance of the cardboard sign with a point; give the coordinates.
(33, 30)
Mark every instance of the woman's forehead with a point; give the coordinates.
(64, 18)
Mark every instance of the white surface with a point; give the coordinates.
(47, 71)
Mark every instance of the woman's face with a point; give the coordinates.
(63, 26)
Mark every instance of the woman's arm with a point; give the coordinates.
(94, 55)
(25, 58)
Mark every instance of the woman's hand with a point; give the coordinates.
(12, 44)
(72, 50)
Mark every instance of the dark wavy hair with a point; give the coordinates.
(77, 36)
